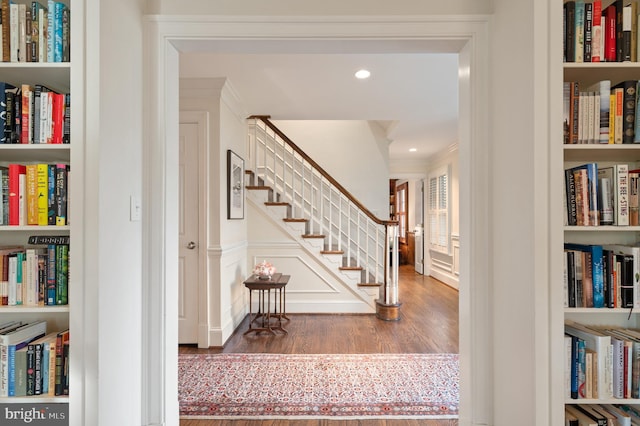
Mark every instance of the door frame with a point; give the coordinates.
(165, 36)
(201, 120)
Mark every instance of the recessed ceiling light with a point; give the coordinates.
(413, 149)
(362, 74)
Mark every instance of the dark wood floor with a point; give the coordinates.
(428, 324)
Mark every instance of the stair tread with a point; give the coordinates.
(313, 236)
(332, 252)
(257, 187)
(292, 219)
(351, 268)
(276, 203)
(369, 284)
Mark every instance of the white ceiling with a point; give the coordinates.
(412, 91)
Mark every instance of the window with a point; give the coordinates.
(439, 210)
(402, 204)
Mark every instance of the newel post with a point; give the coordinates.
(388, 306)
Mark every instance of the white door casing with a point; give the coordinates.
(188, 244)
(165, 37)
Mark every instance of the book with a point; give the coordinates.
(610, 38)
(586, 194)
(15, 170)
(617, 110)
(48, 239)
(579, 31)
(20, 367)
(573, 94)
(61, 194)
(634, 269)
(606, 199)
(628, 109)
(62, 338)
(12, 341)
(626, 33)
(623, 418)
(588, 27)
(583, 419)
(595, 267)
(569, 48)
(62, 277)
(26, 122)
(41, 362)
(570, 419)
(4, 87)
(601, 344)
(4, 196)
(51, 275)
(597, 39)
(603, 88)
(42, 182)
(32, 194)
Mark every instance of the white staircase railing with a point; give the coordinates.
(330, 211)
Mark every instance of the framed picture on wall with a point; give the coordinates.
(235, 186)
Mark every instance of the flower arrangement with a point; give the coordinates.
(264, 270)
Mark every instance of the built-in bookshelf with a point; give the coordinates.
(38, 147)
(601, 156)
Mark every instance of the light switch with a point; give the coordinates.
(135, 214)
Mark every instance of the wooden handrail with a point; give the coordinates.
(354, 200)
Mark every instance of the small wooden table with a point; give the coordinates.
(277, 283)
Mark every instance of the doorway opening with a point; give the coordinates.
(160, 314)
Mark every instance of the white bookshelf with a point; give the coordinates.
(57, 76)
(587, 74)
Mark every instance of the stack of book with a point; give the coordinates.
(601, 113)
(35, 276)
(32, 361)
(596, 34)
(35, 31)
(34, 114)
(34, 194)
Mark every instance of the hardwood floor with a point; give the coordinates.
(428, 324)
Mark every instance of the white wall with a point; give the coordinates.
(114, 174)
(519, 209)
(224, 240)
(355, 153)
(328, 7)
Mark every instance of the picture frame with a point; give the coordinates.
(235, 186)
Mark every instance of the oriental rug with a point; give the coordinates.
(218, 386)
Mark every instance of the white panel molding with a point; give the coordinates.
(260, 245)
(455, 247)
(232, 100)
(308, 266)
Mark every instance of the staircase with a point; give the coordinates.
(327, 221)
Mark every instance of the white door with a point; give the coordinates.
(188, 251)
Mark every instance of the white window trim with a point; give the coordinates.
(434, 243)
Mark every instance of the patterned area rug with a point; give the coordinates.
(318, 386)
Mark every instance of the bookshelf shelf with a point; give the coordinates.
(34, 309)
(603, 228)
(37, 399)
(603, 401)
(36, 228)
(604, 152)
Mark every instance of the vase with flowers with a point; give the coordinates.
(264, 270)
